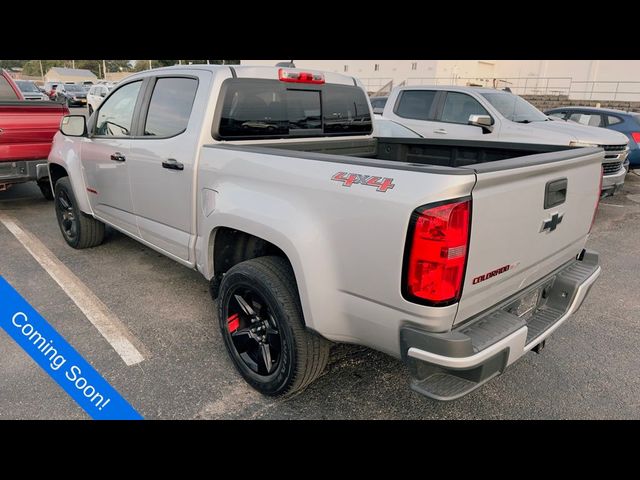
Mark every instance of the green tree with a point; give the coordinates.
(94, 66)
(141, 65)
(32, 67)
(12, 63)
(118, 65)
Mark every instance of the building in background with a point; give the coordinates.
(578, 79)
(117, 76)
(75, 75)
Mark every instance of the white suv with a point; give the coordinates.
(96, 95)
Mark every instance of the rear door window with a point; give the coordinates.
(170, 106)
(416, 104)
(268, 108)
(590, 119)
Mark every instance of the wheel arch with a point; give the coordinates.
(228, 246)
(56, 172)
(64, 161)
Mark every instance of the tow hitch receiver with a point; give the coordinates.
(538, 348)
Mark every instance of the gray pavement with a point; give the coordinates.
(589, 368)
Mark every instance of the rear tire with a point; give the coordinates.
(45, 188)
(78, 229)
(297, 355)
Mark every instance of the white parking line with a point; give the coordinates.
(611, 205)
(109, 326)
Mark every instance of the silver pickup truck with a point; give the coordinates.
(456, 256)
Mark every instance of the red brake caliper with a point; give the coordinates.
(233, 322)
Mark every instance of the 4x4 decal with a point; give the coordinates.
(348, 179)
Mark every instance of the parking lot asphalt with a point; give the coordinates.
(589, 369)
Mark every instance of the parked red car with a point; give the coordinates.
(26, 133)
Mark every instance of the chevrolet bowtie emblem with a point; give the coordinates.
(551, 224)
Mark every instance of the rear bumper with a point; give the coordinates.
(446, 366)
(22, 171)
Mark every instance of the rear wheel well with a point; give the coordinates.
(233, 246)
(56, 172)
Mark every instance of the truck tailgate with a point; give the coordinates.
(27, 129)
(515, 237)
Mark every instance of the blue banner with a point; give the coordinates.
(60, 360)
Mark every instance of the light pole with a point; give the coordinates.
(41, 70)
(150, 67)
(104, 68)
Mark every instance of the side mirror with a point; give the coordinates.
(378, 110)
(483, 121)
(103, 94)
(74, 126)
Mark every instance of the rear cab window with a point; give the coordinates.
(415, 104)
(256, 108)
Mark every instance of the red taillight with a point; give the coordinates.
(436, 253)
(595, 210)
(299, 77)
(636, 137)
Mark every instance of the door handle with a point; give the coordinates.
(172, 164)
(118, 157)
(441, 131)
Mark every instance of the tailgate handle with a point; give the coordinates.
(555, 193)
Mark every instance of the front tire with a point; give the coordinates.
(78, 229)
(90, 110)
(262, 325)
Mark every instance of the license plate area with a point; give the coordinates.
(531, 302)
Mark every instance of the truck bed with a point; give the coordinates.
(421, 151)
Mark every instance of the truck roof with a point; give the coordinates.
(460, 88)
(250, 71)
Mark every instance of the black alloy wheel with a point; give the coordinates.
(67, 217)
(254, 331)
(78, 229)
(263, 328)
